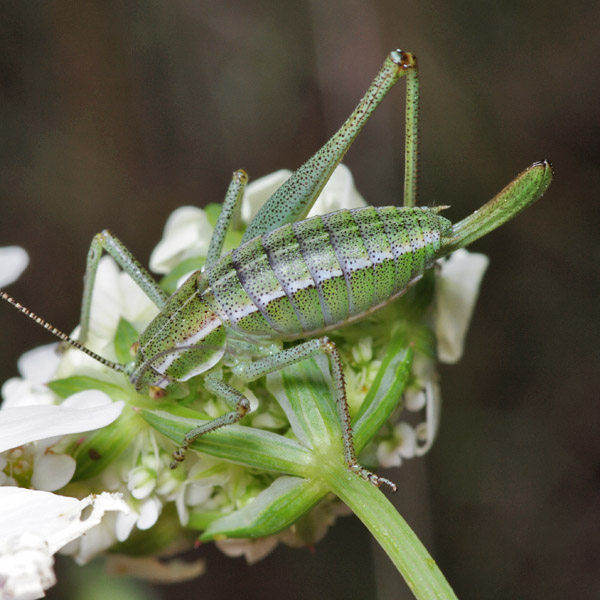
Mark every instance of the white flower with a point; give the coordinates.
(84, 411)
(457, 288)
(29, 433)
(206, 474)
(13, 261)
(36, 367)
(31, 425)
(34, 525)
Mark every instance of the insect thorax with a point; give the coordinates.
(185, 339)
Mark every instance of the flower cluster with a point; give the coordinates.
(123, 462)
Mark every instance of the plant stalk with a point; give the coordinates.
(393, 533)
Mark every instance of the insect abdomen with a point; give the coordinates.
(314, 274)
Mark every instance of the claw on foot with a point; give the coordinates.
(373, 479)
(178, 456)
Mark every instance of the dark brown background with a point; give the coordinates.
(112, 114)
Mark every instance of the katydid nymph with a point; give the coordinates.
(294, 277)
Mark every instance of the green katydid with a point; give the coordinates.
(292, 277)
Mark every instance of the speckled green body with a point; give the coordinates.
(299, 280)
(308, 277)
(294, 277)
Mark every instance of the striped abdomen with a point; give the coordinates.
(315, 274)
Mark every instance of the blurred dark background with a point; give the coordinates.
(112, 114)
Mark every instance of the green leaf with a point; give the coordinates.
(126, 336)
(78, 383)
(274, 509)
(169, 282)
(385, 393)
(97, 449)
(305, 394)
(236, 443)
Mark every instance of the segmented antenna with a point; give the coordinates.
(60, 335)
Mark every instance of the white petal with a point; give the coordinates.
(407, 438)
(13, 261)
(25, 568)
(124, 524)
(38, 365)
(414, 399)
(182, 511)
(339, 192)
(259, 191)
(115, 295)
(87, 399)
(106, 304)
(456, 292)
(149, 513)
(141, 483)
(186, 228)
(19, 392)
(57, 519)
(427, 431)
(197, 494)
(26, 424)
(52, 471)
(387, 455)
(96, 540)
(136, 307)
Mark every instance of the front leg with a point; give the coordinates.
(106, 241)
(240, 406)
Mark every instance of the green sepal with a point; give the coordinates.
(78, 383)
(385, 393)
(274, 509)
(95, 450)
(236, 443)
(124, 338)
(189, 265)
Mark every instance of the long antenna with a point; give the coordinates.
(62, 336)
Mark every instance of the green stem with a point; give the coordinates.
(400, 543)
